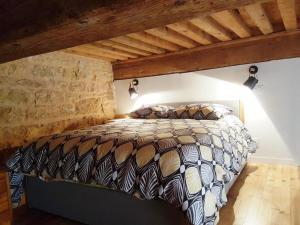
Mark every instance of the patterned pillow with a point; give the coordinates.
(202, 111)
(153, 112)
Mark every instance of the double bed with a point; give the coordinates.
(181, 168)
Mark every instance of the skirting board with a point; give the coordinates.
(268, 160)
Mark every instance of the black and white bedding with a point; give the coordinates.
(185, 162)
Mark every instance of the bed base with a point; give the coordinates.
(93, 205)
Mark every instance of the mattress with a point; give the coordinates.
(186, 163)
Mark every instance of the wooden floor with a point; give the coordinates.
(262, 195)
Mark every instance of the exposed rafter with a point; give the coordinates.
(191, 31)
(232, 21)
(89, 55)
(78, 22)
(156, 41)
(288, 12)
(234, 24)
(98, 51)
(211, 27)
(172, 36)
(123, 47)
(138, 44)
(260, 18)
(113, 50)
(248, 50)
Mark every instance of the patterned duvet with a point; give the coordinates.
(185, 162)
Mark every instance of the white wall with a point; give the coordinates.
(271, 109)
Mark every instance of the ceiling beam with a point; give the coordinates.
(288, 13)
(125, 40)
(191, 31)
(98, 51)
(172, 36)
(232, 21)
(123, 47)
(249, 50)
(30, 28)
(156, 41)
(260, 18)
(89, 55)
(211, 27)
(112, 50)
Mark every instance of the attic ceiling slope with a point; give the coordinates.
(31, 27)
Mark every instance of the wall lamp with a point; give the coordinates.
(252, 79)
(133, 87)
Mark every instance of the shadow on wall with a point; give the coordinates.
(268, 108)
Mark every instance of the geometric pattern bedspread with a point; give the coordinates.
(184, 162)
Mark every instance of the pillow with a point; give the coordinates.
(202, 111)
(153, 112)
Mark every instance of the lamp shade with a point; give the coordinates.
(251, 82)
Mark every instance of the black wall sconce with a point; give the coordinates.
(252, 79)
(133, 87)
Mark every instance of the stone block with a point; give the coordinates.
(28, 83)
(48, 97)
(77, 86)
(42, 71)
(90, 105)
(10, 96)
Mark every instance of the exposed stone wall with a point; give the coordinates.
(45, 94)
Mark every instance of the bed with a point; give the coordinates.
(181, 168)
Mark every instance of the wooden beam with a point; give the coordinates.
(138, 44)
(98, 51)
(113, 50)
(172, 36)
(89, 55)
(211, 27)
(126, 48)
(232, 21)
(249, 50)
(156, 41)
(288, 13)
(246, 17)
(59, 24)
(260, 18)
(191, 31)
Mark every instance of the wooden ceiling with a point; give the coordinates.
(259, 19)
(34, 27)
(138, 33)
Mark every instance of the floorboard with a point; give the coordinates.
(262, 195)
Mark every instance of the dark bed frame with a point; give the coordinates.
(95, 205)
(98, 206)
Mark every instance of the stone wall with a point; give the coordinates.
(51, 93)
